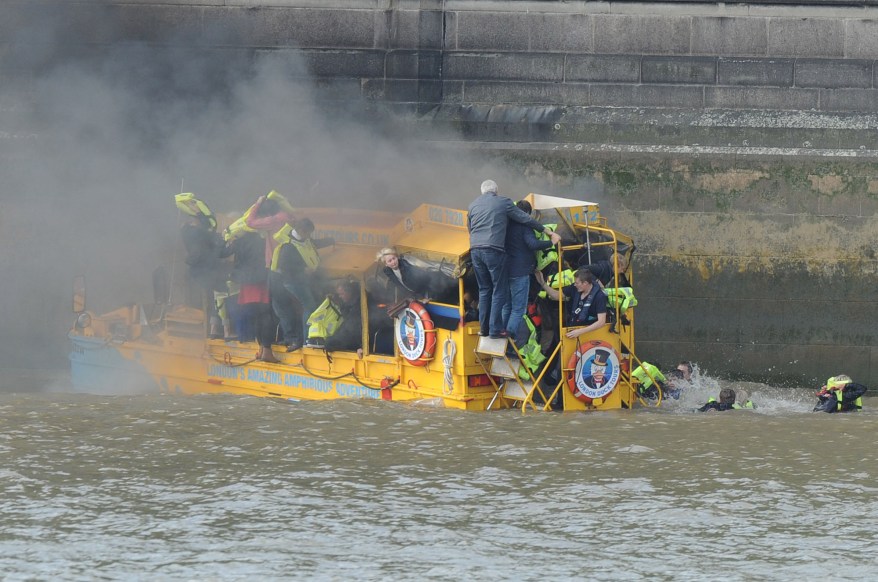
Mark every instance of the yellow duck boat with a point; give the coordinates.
(422, 350)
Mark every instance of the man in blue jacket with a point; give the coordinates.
(521, 247)
(488, 217)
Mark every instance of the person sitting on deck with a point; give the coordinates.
(726, 402)
(336, 325)
(840, 394)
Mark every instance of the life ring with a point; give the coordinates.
(415, 334)
(593, 371)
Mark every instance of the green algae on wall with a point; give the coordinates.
(759, 269)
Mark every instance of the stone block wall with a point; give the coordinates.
(736, 143)
(477, 52)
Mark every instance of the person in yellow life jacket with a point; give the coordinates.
(727, 399)
(267, 216)
(650, 380)
(586, 303)
(294, 269)
(840, 394)
(336, 325)
(205, 251)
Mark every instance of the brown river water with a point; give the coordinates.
(150, 487)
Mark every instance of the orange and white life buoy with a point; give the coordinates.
(415, 334)
(594, 371)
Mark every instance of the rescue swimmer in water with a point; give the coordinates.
(727, 401)
(840, 394)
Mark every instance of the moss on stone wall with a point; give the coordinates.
(757, 268)
(717, 184)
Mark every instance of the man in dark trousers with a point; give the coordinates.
(521, 261)
(489, 214)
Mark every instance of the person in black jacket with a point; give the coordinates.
(205, 251)
(840, 394)
(604, 270)
(521, 261)
(298, 272)
(407, 280)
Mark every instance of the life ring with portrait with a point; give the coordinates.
(593, 371)
(415, 334)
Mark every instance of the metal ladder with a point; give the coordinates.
(494, 360)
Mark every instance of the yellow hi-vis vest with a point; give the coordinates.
(324, 321)
(547, 256)
(558, 280)
(641, 374)
(305, 247)
(624, 296)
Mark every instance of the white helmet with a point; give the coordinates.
(489, 186)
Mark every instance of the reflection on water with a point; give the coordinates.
(228, 488)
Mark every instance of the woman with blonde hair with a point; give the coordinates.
(408, 280)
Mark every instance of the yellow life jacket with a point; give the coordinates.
(283, 236)
(239, 227)
(306, 249)
(735, 406)
(324, 321)
(624, 296)
(643, 373)
(531, 354)
(182, 201)
(558, 280)
(839, 398)
(547, 256)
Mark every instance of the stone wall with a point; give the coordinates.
(756, 268)
(481, 52)
(736, 143)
